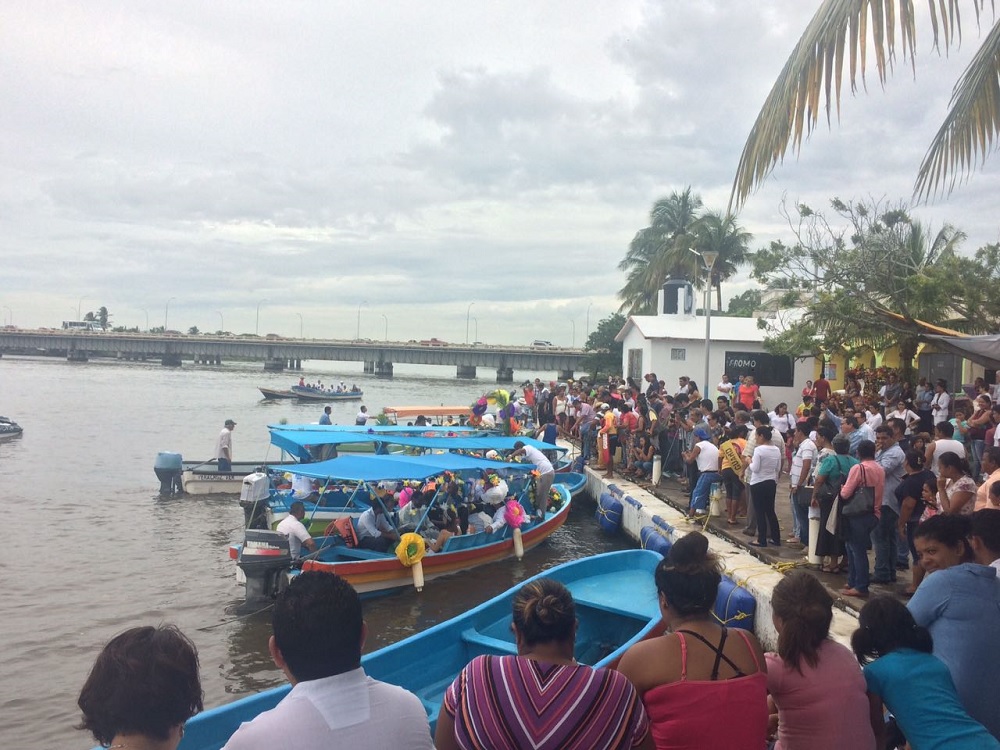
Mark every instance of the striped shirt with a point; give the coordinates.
(514, 702)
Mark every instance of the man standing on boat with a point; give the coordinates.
(546, 474)
(361, 419)
(319, 632)
(224, 446)
(325, 417)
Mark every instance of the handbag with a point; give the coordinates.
(861, 502)
(830, 488)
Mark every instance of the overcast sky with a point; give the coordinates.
(407, 158)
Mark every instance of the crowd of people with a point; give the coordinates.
(930, 663)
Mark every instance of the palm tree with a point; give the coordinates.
(721, 233)
(659, 251)
(842, 29)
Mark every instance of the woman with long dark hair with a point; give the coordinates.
(765, 467)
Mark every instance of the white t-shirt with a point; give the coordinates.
(939, 407)
(538, 458)
(805, 451)
(708, 456)
(372, 525)
(907, 416)
(784, 423)
(361, 418)
(724, 389)
(873, 419)
(346, 710)
(296, 532)
(225, 440)
(946, 446)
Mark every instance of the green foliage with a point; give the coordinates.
(193, 331)
(604, 353)
(744, 305)
(103, 317)
(876, 274)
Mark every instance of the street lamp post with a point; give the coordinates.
(357, 335)
(386, 321)
(475, 322)
(467, 311)
(573, 343)
(79, 308)
(11, 313)
(166, 313)
(147, 317)
(256, 329)
(709, 256)
(301, 326)
(587, 332)
(222, 321)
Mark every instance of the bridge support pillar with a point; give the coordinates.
(218, 360)
(384, 370)
(295, 364)
(565, 375)
(370, 367)
(505, 375)
(171, 360)
(466, 371)
(76, 355)
(274, 365)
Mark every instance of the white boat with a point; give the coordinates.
(9, 428)
(204, 477)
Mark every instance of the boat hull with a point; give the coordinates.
(204, 478)
(272, 393)
(616, 607)
(309, 394)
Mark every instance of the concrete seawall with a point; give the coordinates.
(641, 508)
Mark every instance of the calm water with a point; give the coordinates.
(91, 550)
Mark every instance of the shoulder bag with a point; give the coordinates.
(861, 502)
(831, 485)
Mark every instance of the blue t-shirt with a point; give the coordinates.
(960, 606)
(917, 688)
(550, 434)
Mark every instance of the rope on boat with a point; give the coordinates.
(235, 619)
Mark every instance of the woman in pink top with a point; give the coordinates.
(817, 691)
(857, 529)
(703, 685)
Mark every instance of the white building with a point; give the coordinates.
(672, 344)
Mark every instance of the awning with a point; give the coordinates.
(984, 350)
(374, 468)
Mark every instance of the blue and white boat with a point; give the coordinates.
(616, 605)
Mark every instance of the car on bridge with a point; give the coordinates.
(433, 342)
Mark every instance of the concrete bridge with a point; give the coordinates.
(278, 354)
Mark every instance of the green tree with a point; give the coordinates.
(103, 317)
(841, 28)
(721, 233)
(90, 317)
(604, 354)
(877, 278)
(193, 331)
(744, 305)
(660, 251)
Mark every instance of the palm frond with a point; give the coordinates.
(971, 128)
(816, 68)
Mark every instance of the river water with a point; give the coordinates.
(90, 549)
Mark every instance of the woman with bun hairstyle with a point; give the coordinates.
(704, 686)
(956, 487)
(541, 698)
(142, 689)
(815, 686)
(901, 672)
(910, 494)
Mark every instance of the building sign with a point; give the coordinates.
(767, 369)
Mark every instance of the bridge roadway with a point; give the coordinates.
(279, 354)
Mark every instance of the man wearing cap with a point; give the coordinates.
(546, 473)
(224, 446)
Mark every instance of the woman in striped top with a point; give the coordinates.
(541, 698)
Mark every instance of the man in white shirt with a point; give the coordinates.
(547, 473)
(292, 527)
(375, 530)
(318, 636)
(361, 418)
(803, 464)
(724, 388)
(224, 446)
(944, 442)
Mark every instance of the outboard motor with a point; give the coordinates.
(254, 495)
(265, 561)
(168, 468)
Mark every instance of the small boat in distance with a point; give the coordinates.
(310, 393)
(273, 393)
(616, 606)
(9, 428)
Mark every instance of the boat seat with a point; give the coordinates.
(473, 636)
(463, 541)
(360, 554)
(581, 602)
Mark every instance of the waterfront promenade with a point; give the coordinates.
(278, 354)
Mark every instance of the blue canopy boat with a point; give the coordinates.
(616, 605)
(264, 559)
